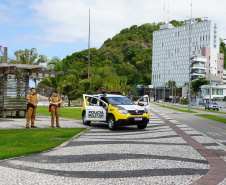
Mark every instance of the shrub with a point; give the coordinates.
(184, 101)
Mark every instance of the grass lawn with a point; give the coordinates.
(23, 141)
(177, 109)
(215, 118)
(64, 112)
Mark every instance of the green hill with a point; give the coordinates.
(128, 54)
(122, 62)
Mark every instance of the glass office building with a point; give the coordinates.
(171, 46)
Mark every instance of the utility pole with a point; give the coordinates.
(164, 85)
(5, 57)
(89, 47)
(172, 90)
(27, 56)
(175, 94)
(189, 68)
(210, 85)
(155, 94)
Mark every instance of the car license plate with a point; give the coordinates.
(137, 119)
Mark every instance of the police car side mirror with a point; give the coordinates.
(140, 104)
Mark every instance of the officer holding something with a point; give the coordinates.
(32, 101)
(55, 102)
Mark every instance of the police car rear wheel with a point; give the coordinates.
(142, 126)
(84, 120)
(111, 123)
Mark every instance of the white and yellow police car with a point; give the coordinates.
(115, 110)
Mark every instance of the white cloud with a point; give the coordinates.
(66, 21)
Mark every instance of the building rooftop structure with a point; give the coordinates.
(14, 85)
(214, 79)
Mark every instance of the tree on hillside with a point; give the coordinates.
(176, 23)
(223, 50)
(34, 57)
(171, 83)
(70, 85)
(196, 84)
(55, 64)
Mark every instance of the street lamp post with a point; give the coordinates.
(164, 85)
(172, 90)
(189, 69)
(210, 84)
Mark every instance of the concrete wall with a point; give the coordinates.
(206, 52)
(220, 65)
(221, 104)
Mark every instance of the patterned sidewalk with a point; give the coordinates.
(164, 153)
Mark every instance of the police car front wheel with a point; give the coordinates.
(111, 123)
(142, 126)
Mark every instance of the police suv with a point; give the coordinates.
(115, 110)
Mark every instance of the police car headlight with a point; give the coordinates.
(122, 111)
(145, 110)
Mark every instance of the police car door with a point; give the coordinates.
(96, 110)
(144, 101)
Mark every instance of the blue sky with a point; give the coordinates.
(60, 27)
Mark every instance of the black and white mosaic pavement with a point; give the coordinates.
(156, 155)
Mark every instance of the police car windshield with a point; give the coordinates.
(120, 101)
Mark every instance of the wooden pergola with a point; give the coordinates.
(14, 85)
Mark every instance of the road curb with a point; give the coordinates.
(219, 143)
(217, 171)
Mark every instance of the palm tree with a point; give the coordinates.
(70, 84)
(193, 93)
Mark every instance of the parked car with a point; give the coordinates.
(211, 105)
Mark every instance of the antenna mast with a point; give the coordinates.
(89, 46)
(191, 9)
(168, 13)
(164, 9)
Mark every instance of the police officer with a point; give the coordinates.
(55, 102)
(32, 101)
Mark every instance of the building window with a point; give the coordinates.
(219, 72)
(209, 57)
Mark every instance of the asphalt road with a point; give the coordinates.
(213, 129)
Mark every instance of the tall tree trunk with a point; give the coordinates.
(69, 101)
